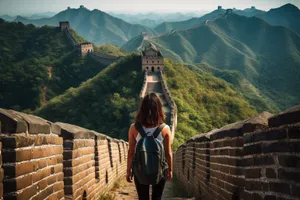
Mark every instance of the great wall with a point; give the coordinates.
(86, 47)
(257, 158)
(45, 160)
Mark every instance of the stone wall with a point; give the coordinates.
(144, 87)
(87, 48)
(44, 160)
(171, 102)
(70, 37)
(103, 59)
(1, 171)
(257, 158)
(152, 63)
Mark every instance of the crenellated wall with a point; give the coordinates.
(70, 37)
(103, 59)
(44, 160)
(258, 158)
(171, 102)
(87, 48)
(144, 87)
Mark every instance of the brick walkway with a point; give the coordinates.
(127, 191)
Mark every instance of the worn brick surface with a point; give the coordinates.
(245, 160)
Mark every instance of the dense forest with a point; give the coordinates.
(108, 102)
(37, 64)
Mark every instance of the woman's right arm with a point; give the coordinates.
(168, 151)
(131, 149)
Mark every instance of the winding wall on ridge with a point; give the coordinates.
(45, 160)
(103, 59)
(258, 158)
(154, 82)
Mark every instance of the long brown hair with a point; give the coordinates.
(151, 112)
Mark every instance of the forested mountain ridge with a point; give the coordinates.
(95, 26)
(247, 45)
(108, 102)
(287, 15)
(36, 64)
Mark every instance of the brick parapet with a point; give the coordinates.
(87, 48)
(257, 158)
(44, 160)
(103, 59)
(171, 102)
(144, 87)
(70, 37)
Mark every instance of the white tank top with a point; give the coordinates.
(150, 131)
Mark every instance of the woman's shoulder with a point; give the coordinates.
(166, 130)
(133, 129)
(167, 127)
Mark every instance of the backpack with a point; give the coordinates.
(149, 163)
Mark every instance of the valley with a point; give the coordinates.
(72, 81)
(225, 54)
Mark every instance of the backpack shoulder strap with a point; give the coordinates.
(140, 129)
(158, 130)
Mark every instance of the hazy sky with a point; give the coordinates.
(15, 7)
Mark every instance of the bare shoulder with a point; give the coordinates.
(166, 131)
(133, 130)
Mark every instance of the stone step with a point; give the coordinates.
(154, 87)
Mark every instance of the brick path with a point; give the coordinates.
(127, 191)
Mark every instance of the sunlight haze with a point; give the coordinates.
(19, 7)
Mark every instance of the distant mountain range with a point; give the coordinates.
(95, 26)
(153, 19)
(267, 56)
(287, 15)
(33, 16)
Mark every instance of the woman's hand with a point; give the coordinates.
(169, 175)
(129, 176)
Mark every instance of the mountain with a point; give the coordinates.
(287, 15)
(8, 18)
(249, 12)
(37, 64)
(41, 15)
(267, 56)
(95, 26)
(108, 102)
(166, 27)
(153, 19)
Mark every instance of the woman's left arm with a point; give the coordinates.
(131, 150)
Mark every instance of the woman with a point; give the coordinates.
(150, 116)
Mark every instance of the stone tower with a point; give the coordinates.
(85, 48)
(64, 25)
(229, 11)
(152, 59)
(219, 7)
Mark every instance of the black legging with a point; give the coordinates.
(143, 190)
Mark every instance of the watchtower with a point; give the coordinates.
(85, 48)
(229, 11)
(152, 59)
(64, 25)
(219, 7)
